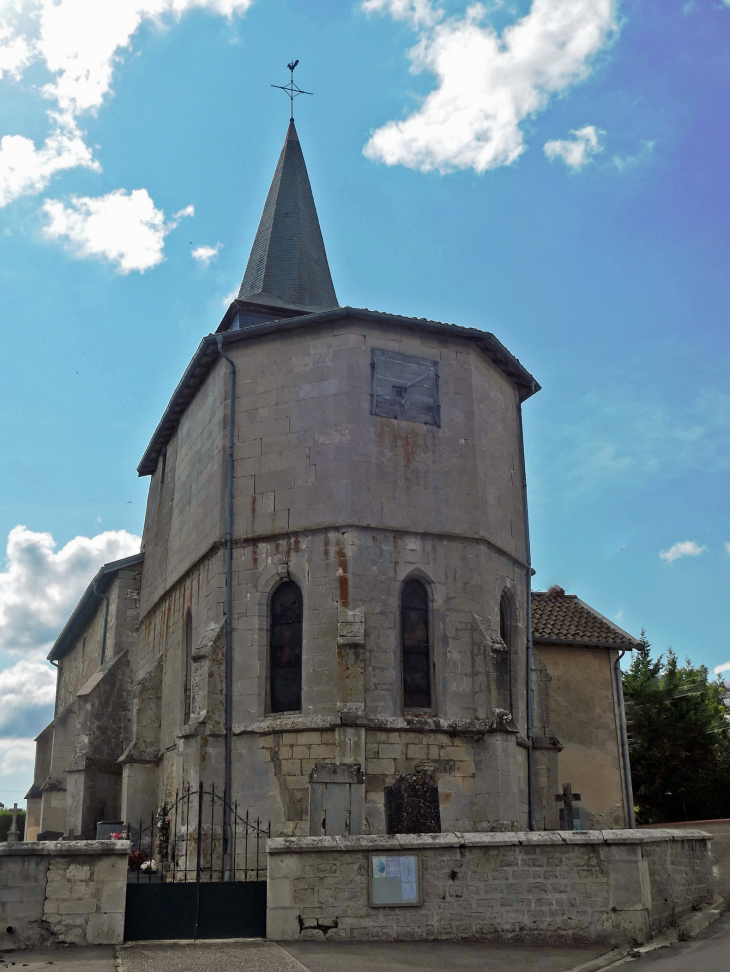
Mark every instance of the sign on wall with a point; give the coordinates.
(395, 879)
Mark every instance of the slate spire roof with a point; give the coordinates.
(288, 265)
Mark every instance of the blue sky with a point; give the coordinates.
(555, 172)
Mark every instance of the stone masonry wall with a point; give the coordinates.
(591, 886)
(65, 893)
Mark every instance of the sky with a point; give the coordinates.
(553, 171)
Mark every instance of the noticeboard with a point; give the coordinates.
(395, 880)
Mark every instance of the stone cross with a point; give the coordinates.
(13, 835)
(568, 798)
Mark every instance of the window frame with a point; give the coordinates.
(270, 710)
(431, 707)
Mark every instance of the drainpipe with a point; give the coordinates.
(528, 622)
(58, 679)
(104, 624)
(229, 612)
(624, 742)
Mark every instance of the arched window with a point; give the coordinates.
(415, 646)
(188, 664)
(503, 658)
(286, 648)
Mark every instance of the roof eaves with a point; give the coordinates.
(82, 612)
(207, 352)
(582, 643)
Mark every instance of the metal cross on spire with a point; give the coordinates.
(292, 89)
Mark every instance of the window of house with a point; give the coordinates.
(503, 658)
(286, 648)
(415, 646)
(188, 664)
(404, 387)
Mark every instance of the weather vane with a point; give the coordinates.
(292, 89)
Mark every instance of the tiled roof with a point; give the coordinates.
(563, 619)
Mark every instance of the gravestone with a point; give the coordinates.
(412, 805)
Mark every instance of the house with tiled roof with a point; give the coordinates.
(580, 650)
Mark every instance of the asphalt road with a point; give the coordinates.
(709, 952)
(352, 957)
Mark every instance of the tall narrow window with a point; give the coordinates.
(163, 469)
(286, 648)
(415, 646)
(188, 665)
(503, 658)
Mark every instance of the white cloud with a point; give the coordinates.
(229, 298)
(576, 152)
(25, 169)
(204, 254)
(80, 43)
(727, 545)
(40, 586)
(617, 617)
(687, 548)
(419, 13)
(487, 84)
(16, 756)
(725, 667)
(125, 229)
(644, 154)
(15, 52)
(28, 684)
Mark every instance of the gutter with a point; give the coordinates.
(528, 622)
(228, 857)
(624, 743)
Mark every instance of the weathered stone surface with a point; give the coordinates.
(67, 892)
(506, 886)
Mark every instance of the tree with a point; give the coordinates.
(679, 741)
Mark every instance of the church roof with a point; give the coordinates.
(288, 265)
(207, 354)
(87, 606)
(563, 619)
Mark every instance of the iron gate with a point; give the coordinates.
(200, 884)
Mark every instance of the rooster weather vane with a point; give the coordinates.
(292, 89)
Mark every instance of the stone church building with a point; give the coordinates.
(329, 615)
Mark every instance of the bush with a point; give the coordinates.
(6, 818)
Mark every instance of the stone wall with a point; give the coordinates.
(62, 892)
(617, 886)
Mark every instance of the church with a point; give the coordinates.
(331, 617)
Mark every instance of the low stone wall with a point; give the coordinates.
(719, 830)
(62, 892)
(612, 886)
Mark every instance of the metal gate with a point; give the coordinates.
(200, 884)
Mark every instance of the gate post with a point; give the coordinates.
(197, 865)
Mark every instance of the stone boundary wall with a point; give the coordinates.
(62, 892)
(611, 886)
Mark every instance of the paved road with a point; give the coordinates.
(709, 952)
(90, 958)
(256, 956)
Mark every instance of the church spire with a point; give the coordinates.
(288, 265)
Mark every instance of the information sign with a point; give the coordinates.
(395, 879)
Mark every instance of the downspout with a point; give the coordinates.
(624, 741)
(104, 624)
(58, 680)
(229, 614)
(528, 622)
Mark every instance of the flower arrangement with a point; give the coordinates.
(149, 867)
(122, 835)
(136, 859)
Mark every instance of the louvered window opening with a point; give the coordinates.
(286, 648)
(415, 646)
(404, 387)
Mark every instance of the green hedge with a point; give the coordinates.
(6, 818)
